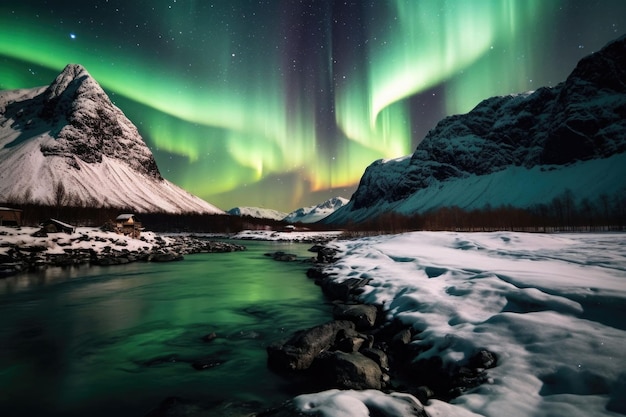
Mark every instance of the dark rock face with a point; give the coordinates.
(88, 126)
(580, 119)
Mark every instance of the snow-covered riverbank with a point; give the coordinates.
(25, 248)
(552, 307)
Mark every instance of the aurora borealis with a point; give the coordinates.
(284, 103)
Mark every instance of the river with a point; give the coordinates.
(117, 340)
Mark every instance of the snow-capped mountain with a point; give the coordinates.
(68, 144)
(518, 150)
(257, 212)
(315, 213)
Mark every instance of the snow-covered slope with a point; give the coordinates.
(519, 149)
(257, 212)
(68, 144)
(316, 213)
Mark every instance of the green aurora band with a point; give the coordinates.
(229, 111)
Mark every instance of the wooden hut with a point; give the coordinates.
(10, 217)
(57, 226)
(128, 225)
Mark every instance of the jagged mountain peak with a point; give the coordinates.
(71, 134)
(88, 126)
(73, 78)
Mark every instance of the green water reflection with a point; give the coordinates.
(118, 340)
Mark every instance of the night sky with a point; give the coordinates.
(284, 103)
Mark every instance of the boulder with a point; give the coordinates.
(378, 356)
(363, 315)
(343, 290)
(349, 341)
(300, 350)
(349, 371)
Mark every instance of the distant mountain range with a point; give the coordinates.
(257, 212)
(517, 150)
(310, 214)
(67, 144)
(316, 213)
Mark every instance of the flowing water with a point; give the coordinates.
(117, 340)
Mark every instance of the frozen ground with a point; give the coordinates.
(552, 307)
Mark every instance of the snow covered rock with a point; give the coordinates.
(519, 149)
(350, 403)
(316, 213)
(68, 144)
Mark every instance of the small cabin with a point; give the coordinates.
(127, 225)
(10, 217)
(56, 226)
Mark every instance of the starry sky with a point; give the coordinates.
(284, 103)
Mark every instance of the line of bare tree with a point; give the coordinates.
(564, 213)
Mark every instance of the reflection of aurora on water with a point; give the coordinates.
(282, 104)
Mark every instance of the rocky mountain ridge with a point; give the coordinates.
(581, 120)
(71, 135)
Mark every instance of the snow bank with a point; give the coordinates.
(552, 307)
(291, 236)
(82, 238)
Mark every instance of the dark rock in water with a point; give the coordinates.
(300, 350)
(166, 257)
(343, 290)
(209, 337)
(282, 256)
(362, 315)
(206, 363)
(317, 274)
(349, 370)
(325, 254)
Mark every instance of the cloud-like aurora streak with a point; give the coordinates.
(297, 98)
